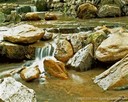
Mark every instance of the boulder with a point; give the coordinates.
(13, 91)
(50, 16)
(86, 10)
(55, 68)
(96, 38)
(77, 41)
(15, 51)
(30, 73)
(109, 11)
(32, 16)
(82, 60)
(64, 51)
(115, 47)
(24, 34)
(115, 76)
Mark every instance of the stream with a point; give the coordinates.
(79, 87)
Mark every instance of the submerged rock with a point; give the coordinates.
(115, 76)
(15, 51)
(109, 11)
(115, 47)
(86, 10)
(30, 73)
(83, 59)
(24, 34)
(55, 68)
(64, 51)
(13, 91)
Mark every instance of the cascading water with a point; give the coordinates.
(33, 9)
(41, 54)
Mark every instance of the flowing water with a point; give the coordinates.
(79, 87)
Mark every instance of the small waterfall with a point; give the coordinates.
(33, 9)
(42, 54)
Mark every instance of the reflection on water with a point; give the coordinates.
(78, 88)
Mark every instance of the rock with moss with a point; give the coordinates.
(7, 7)
(96, 38)
(2, 17)
(109, 11)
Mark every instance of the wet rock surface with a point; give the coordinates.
(13, 91)
(15, 51)
(64, 51)
(55, 68)
(30, 73)
(24, 34)
(83, 59)
(86, 10)
(113, 48)
(115, 76)
(77, 41)
(32, 16)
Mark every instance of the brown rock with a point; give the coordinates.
(64, 51)
(56, 69)
(29, 74)
(50, 16)
(32, 16)
(86, 10)
(15, 51)
(115, 47)
(24, 34)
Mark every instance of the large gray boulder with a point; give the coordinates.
(109, 11)
(24, 34)
(82, 60)
(115, 77)
(13, 91)
(115, 47)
